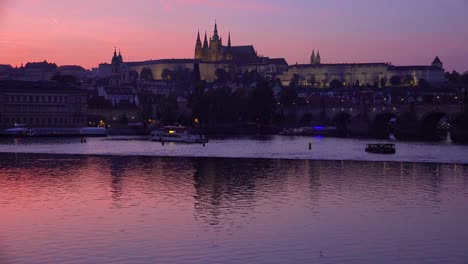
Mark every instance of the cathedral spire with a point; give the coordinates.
(115, 59)
(215, 33)
(120, 57)
(317, 58)
(312, 57)
(229, 40)
(198, 37)
(205, 42)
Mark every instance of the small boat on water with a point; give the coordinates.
(381, 148)
(181, 134)
(23, 131)
(308, 131)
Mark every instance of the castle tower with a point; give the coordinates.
(120, 58)
(229, 50)
(115, 58)
(206, 49)
(115, 62)
(215, 46)
(312, 57)
(437, 63)
(318, 60)
(198, 48)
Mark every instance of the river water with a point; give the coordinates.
(243, 205)
(273, 147)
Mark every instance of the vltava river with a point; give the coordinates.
(273, 147)
(136, 209)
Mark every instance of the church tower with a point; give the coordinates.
(215, 45)
(312, 57)
(318, 60)
(229, 49)
(120, 58)
(115, 62)
(437, 63)
(198, 48)
(206, 49)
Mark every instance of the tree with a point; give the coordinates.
(357, 83)
(262, 103)
(146, 74)
(336, 84)
(288, 96)
(423, 83)
(222, 76)
(223, 105)
(169, 109)
(453, 78)
(196, 76)
(408, 80)
(464, 78)
(199, 102)
(312, 81)
(182, 74)
(294, 81)
(395, 80)
(383, 82)
(167, 75)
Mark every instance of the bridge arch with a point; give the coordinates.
(384, 124)
(306, 119)
(430, 124)
(341, 121)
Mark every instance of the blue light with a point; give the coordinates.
(319, 128)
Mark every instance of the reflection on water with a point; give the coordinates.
(88, 209)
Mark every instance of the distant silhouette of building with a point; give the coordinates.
(320, 74)
(42, 104)
(209, 56)
(6, 72)
(37, 71)
(78, 72)
(215, 51)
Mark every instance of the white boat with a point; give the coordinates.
(177, 134)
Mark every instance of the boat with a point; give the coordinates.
(381, 148)
(23, 131)
(15, 132)
(181, 134)
(308, 131)
(68, 132)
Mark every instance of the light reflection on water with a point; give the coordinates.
(88, 209)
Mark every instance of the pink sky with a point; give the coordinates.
(84, 32)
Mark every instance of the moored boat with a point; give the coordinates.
(22, 131)
(381, 148)
(178, 134)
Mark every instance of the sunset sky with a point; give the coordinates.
(84, 32)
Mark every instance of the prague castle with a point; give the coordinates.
(317, 74)
(211, 55)
(214, 51)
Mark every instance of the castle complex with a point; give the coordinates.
(211, 55)
(214, 51)
(317, 74)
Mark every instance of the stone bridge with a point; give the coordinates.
(380, 120)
